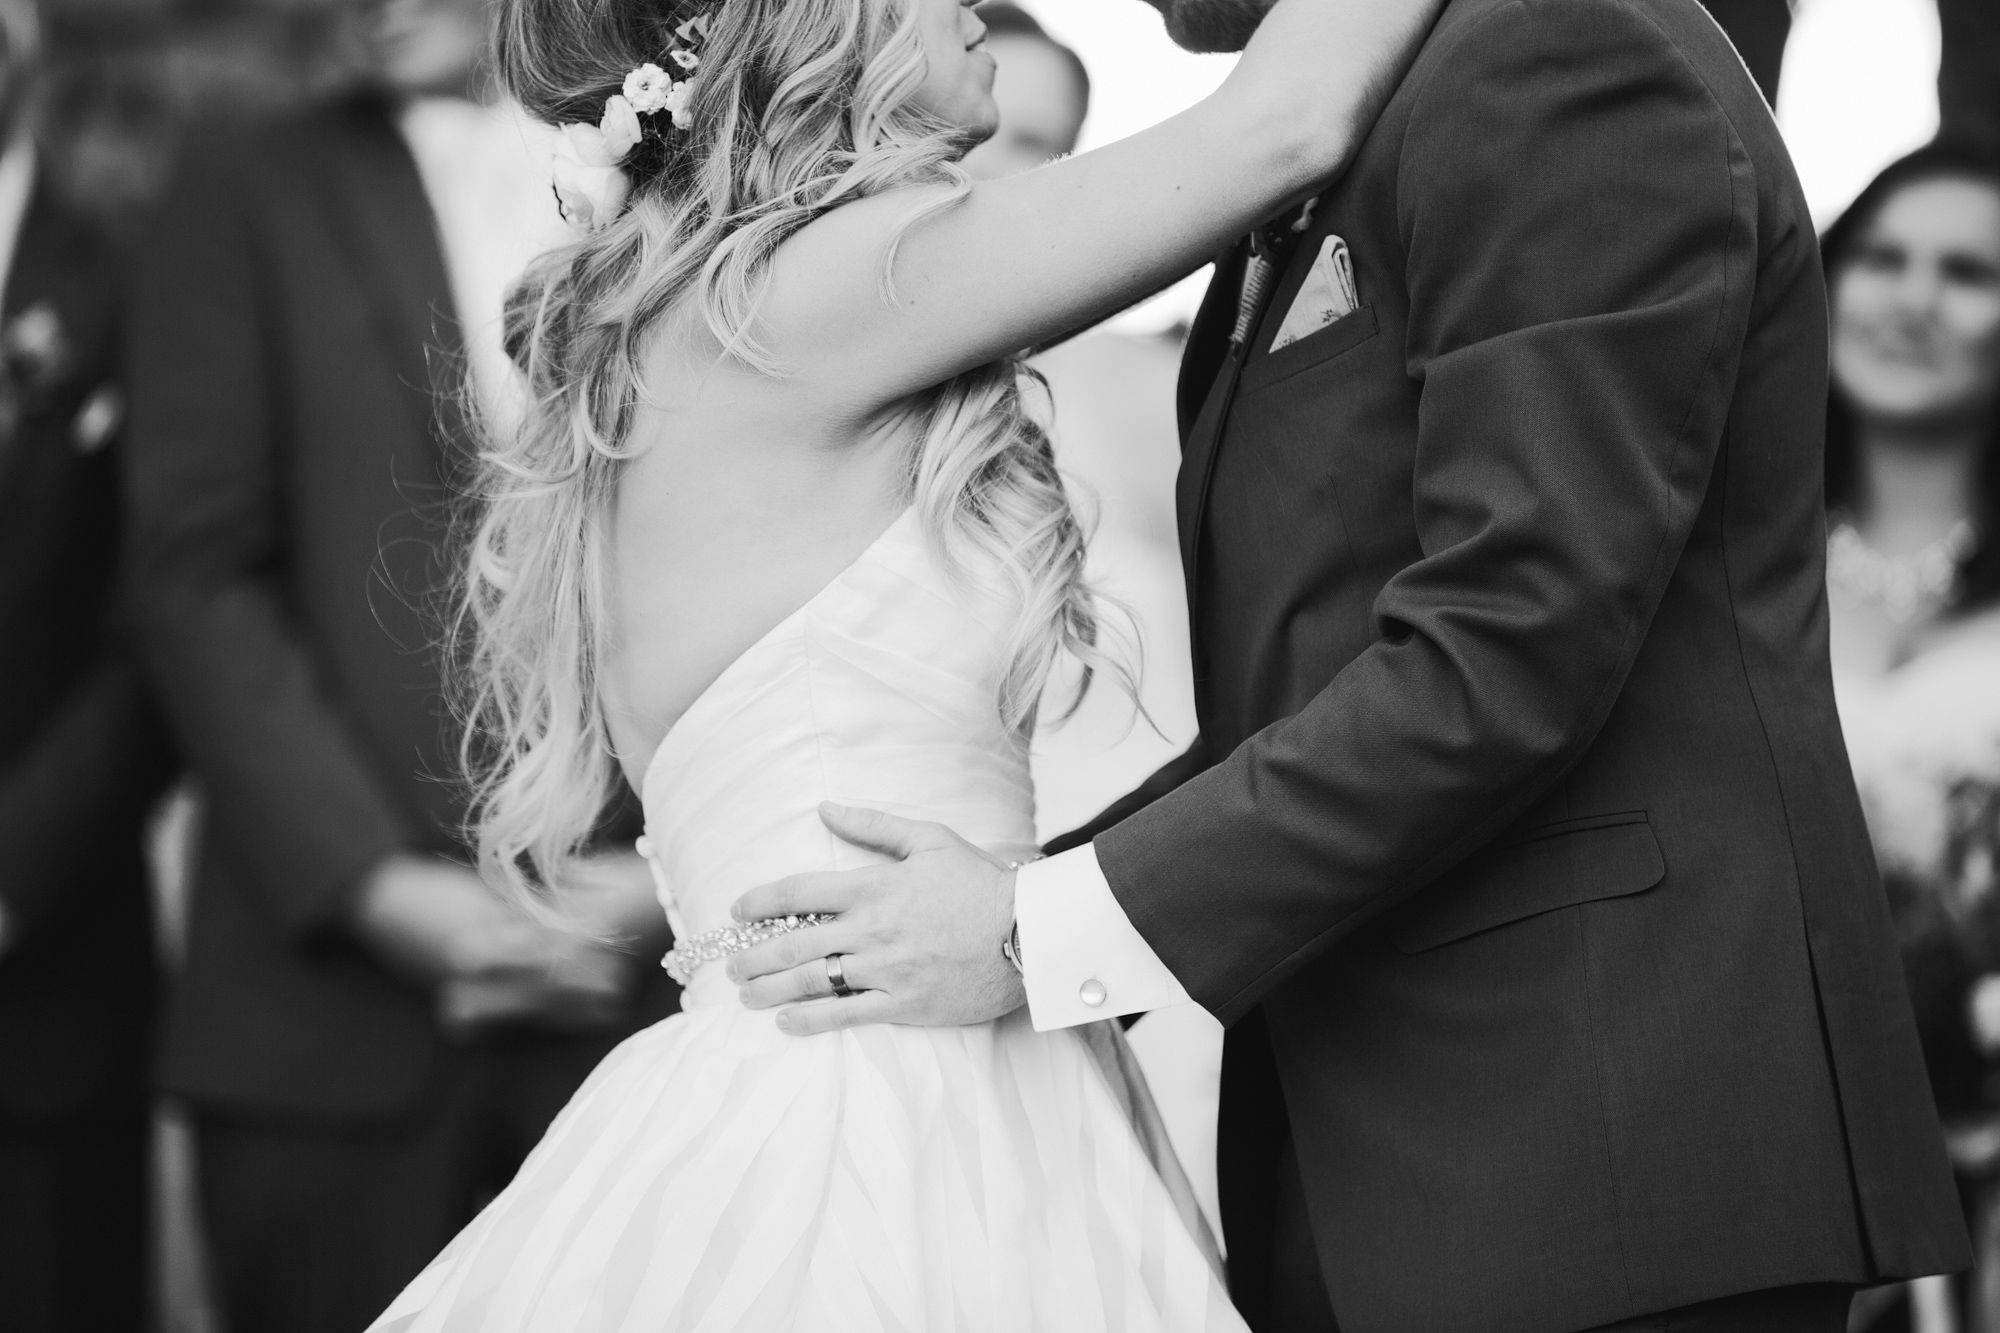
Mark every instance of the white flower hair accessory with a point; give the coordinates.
(648, 87)
(591, 184)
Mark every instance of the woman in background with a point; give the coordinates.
(1913, 569)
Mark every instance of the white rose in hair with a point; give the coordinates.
(620, 127)
(591, 187)
(606, 143)
(590, 197)
(677, 102)
(648, 87)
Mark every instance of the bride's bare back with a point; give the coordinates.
(738, 508)
(750, 491)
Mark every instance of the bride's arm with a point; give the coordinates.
(1032, 256)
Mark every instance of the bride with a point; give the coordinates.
(778, 529)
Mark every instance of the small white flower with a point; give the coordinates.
(678, 103)
(685, 58)
(648, 87)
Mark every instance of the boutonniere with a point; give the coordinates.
(35, 348)
(34, 357)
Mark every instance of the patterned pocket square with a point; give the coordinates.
(1328, 294)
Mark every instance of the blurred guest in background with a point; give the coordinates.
(1913, 566)
(1042, 89)
(1969, 72)
(1758, 28)
(369, 1037)
(81, 757)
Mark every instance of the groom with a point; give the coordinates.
(1519, 849)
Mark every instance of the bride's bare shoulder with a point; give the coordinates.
(851, 238)
(836, 268)
(765, 354)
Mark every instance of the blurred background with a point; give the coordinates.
(124, 86)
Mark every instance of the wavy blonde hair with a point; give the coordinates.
(800, 106)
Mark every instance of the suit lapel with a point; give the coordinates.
(1208, 338)
(1202, 435)
(388, 236)
(36, 257)
(51, 265)
(1198, 461)
(43, 254)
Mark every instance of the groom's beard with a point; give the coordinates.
(1212, 25)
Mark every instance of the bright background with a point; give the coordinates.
(1138, 77)
(1859, 86)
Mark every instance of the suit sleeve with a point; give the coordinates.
(1579, 230)
(297, 800)
(72, 798)
(1166, 778)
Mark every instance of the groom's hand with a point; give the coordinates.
(918, 939)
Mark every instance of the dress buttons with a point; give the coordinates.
(1092, 992)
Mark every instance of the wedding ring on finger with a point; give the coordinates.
(836, 976)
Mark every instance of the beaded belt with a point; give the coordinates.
(711, 945)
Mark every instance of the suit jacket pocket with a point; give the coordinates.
(1557, 865)
(1352, 329)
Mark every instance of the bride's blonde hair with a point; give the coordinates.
(799, 106)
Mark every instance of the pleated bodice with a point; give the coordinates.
(881, 691)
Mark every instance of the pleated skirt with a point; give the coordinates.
(716, 1174)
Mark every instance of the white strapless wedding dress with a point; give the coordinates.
(716, 1174)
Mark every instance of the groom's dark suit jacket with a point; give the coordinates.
(295, 448)
(1520, 838)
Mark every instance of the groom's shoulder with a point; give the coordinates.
(1678, 32)
(1588, 56)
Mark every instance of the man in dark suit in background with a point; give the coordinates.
(1969, 73)
(81, 757)
(299, 329)
(1519, 849)
(1758, 29)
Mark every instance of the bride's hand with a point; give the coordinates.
(918, 939)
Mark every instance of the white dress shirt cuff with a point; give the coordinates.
(1081, 957)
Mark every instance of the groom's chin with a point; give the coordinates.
(1211, 25)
